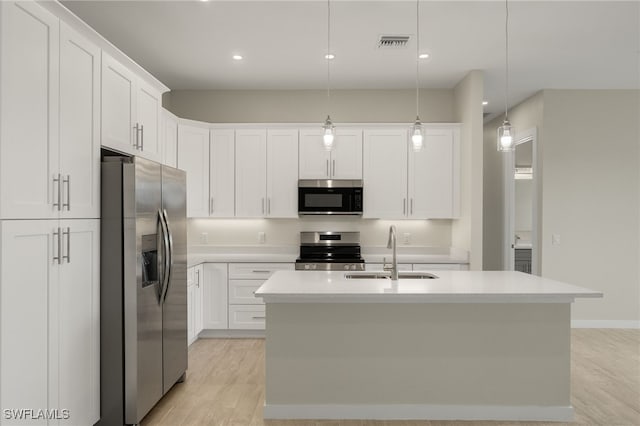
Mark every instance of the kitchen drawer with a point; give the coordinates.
(246, 317)
(440, 267)
(257, 271)
(379, 267)
(241, 292)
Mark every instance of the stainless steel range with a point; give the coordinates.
(330, 251)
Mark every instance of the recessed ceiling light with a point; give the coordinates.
(423, 56)
(485, 102)
(237, 57)
(329, 56)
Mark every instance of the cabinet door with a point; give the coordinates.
(193, 157)
(29, 277)
(79, 125)
(149, 107)
(191, 335)
(251, 173)
(241, 292)
(214, 296)
(198, 321)
(222, 164)
(433, 176)
(78, 313)
(29, 49)
(169, 138)
(314, 159)
(346, 157)
(385, 174)
(118, 106)
(282, 173)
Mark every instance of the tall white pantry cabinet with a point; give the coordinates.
(49, 219)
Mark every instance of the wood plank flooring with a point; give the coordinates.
(225, 385)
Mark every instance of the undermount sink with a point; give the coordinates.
(387, 275)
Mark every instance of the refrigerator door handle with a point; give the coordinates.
(163, 282)
(169, 258)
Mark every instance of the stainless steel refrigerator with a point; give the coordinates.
(143, 286)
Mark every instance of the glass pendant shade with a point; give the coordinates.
(328, 134)
(505, 137)
(416, 136)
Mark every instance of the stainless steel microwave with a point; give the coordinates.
(337, 197)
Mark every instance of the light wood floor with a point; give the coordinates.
(225, 385)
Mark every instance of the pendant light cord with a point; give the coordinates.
(506, 59)
(417, 57)
(328, 57)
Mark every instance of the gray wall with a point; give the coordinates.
(309, 106)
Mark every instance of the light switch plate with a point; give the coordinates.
(261, 237)
(555, 239)
(406, 238)
(204, 238)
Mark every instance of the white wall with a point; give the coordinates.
(309, 106)
(466, 232)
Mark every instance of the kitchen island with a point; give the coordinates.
(467, 345)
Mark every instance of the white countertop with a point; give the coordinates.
(264, 253)
(449, 287)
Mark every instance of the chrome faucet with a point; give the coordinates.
(391, 244)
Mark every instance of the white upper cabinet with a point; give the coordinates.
(251, 171)
(403, 184)
(193, 157)
(169, 137)
(130, 111)
(282, 173)
(29, 79)
(222, 173)
(343, 162)
(49, 149)
(385, 173)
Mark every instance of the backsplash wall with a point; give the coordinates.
(286, 232)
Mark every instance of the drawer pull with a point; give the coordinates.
(258, 318)
(260, 271)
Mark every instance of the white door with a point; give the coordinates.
(118, 106)
(282, 173)
(314, 159)
(385, 174)
(214, 296)
(29, 49)
(78, 313)
(198, 320)
(149, 107)
(222, 164)
(251, 173)
(29, 276)
(170, 139)
(431, 176)
(346, 157)
(79, 125)
(193, 157)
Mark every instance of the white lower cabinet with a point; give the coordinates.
(246, 317)
(49, 319)
(214, 296)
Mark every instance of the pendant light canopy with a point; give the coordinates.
(506, 133)
(417, 137)
(328, 130)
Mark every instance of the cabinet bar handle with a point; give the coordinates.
(67, 180)
(142, 137)
(327, 167)
(210, 205)
(198, 278)
(68, 234)
(256, 318)
(57, 182)
(261, 271)
(412, 206)
(58, 258)
(269, 205)
(333, 173)
(404, 206)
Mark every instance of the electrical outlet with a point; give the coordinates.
(555, 239)
(261, 237)
(407, 238)
(204, 238)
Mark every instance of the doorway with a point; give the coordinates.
(520, 246)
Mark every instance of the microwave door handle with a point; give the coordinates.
(169, 261)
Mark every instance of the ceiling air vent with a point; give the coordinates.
(392, 41)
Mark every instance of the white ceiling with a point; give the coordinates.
(553, 44)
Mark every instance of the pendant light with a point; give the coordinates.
(506, 131)
(328, 130)
(416, 130)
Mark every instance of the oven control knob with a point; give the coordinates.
(346, 267)
(314, 266)
(307, 266)
(353, 267)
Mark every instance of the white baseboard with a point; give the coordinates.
(420, 412)
(605, 324)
